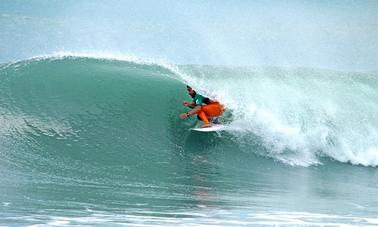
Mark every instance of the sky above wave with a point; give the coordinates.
(339, 35)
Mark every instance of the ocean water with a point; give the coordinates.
(98, 141)
(90, 133)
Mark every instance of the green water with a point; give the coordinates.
(88, 141)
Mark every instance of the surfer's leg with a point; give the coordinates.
(203, 117)
(195, 110)
(213, 110)
(201, 113)
(209, 118)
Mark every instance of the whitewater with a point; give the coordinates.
(91, 92)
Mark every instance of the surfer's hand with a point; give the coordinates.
(183, 115)
(186, 103)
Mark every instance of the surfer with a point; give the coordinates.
(205, 108)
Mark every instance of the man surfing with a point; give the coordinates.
(205, 108)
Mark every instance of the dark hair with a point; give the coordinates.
(194, 92)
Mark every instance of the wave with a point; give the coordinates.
(86, 103)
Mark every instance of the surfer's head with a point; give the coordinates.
(190, 90)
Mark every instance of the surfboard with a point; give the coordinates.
(213, 128)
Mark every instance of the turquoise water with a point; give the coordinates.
(97, 141)
(91, 92)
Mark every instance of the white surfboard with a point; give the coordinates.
(213, 128)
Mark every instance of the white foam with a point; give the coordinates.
(298, 116)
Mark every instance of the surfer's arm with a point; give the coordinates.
(195, 110)
(190, 105)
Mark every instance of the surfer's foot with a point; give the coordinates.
(205, 126)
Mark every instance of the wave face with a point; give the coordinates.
(292, 115)
(56, 111)
(95, 135)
